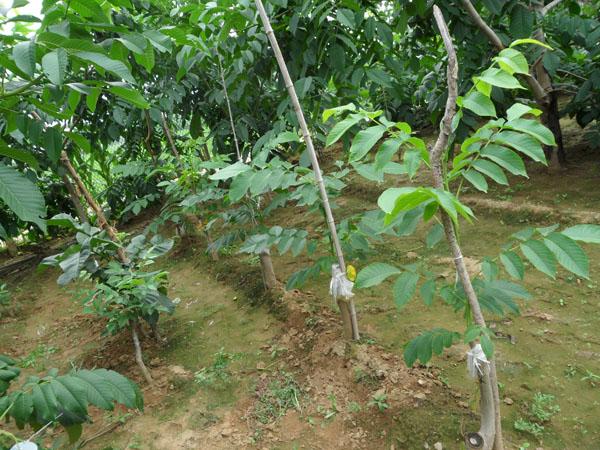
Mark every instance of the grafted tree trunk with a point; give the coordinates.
(490, 432)
(539, 82)
(112, 233)
(74, 196)
(266, 264)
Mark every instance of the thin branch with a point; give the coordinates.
(546, 9)
(170, 137)
(483, 26)
(235, 139)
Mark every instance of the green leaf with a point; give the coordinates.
(434, 235)
(92, 98)
(230, 171)
(523, 143)
(110, 65)
(529, 41)
(585, 233)
(130, 95)
(427, 292)
(513, 264)
(412, 161)
(479, 104)
(499, 78)
(533, 128)
(374, 274)
(428, 343)
(476, 179)
(568, 254)
(505, 158)
(521, 21)
(540, 256)
(487, 346)
(338, 109)
(380, 76)
(18, 155)
(24, 56)
(364, 141)
(512, 61)
(518, 110)
(74, 432)
(55, 65)
(88, 8)
(22, 196)
(405, 288)
(340, 128)
(346, 17)
(490, 169)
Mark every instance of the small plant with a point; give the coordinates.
(275, 397)
(218, 372)
(330, 412)
(591, 377)
(40, 352)
(379, 399)
(354, 407)
(539, 413)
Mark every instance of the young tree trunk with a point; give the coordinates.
(266, 264)
(112, 233)
(148, 138)
(138, 354)
(313, 155)
(170, 137)
(74, 196)
(11, 247)
(488, 436)
(235, 139)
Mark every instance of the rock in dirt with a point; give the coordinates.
(438, 446)
(508, 401)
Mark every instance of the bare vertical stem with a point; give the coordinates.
(311, 151)
(138, 354)
(148, 138)
(490, 411)
(235, 139)
(170, 137)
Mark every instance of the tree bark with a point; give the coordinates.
(74, 196)
(138, 354)
(148, 138)
(170, 137)
(490, 435)
(311, 151)
(11, 247)
(266, 264)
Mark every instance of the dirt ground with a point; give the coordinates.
(292, 382)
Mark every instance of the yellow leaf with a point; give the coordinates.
(351, 272)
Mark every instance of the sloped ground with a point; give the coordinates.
(288, 348)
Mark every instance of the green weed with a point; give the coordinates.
(218, 372)
(276, 397)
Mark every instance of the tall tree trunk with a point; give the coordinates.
(489, 436)
(112, 233)
(266, 264)
(348, 306)
(74, 196)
